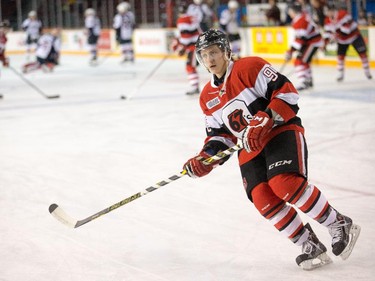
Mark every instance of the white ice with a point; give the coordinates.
(89, 150)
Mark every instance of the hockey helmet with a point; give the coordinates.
(197, 2)
(212, 37)
(90, 12)
(233, 5)
(296, 8)
(32, 14)
(123, 7)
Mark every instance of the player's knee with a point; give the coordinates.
(266, 202)
(288, 187)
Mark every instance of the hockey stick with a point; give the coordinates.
(32, 85)
(128, 97)
(63, 217)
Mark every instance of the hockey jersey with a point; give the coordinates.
(3, 41)
(306, 32)
(189, 32)
(47, 43)
(32, 27)
(251, 85)
(341, 27)
(92, 23)
(124, 25)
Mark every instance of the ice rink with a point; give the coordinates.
(89, 150)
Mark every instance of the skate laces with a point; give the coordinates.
(336, 230)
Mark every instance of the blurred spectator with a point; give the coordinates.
(273, 14)
(370, 19)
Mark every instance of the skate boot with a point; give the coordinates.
(313, 252)
(344, 235)
(192, 92)
(304, 86)
(340, 76)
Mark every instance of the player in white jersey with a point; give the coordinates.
(93, 28)
(249, 102)
(124, 23)
(229, 23)
(202, 14)
(47, 52)
(33, 28)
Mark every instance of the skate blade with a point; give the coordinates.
(354, 232)
(319, 261)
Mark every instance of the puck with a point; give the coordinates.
(123, 97)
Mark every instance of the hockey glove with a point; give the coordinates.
(195, 167)
(254, 133)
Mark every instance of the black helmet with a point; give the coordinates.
(212, 37)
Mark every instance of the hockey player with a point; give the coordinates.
(250, 102)
(33, 27)
(202, 14)
(124, 23)
(307, 41)
(3, 40)
(185, 45)
(229, 24)
(92, 25)
(339, 26)
(47, 53)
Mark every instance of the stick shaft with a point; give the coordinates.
(60, 215)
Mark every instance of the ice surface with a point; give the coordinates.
(89, 150)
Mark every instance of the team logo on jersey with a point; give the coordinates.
(212, 103)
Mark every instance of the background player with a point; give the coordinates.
(307, 41)
(124, 23)
(47, 52)
(4, 27)
(229, 23)
(92, 25)
(339, 26)
(33, 28)
(185, 45)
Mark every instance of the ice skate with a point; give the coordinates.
(368, 76)
(193, 92)
(340, 77)
(344, 235)
(93, 61)
(313, 252)
(304, 86)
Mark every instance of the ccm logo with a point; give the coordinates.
(279, 163)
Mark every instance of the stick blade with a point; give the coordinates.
(53, 97)
(59, 214)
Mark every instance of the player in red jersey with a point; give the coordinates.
(185, 45)
(339, 26)
(248, 101)
(307, 41)
(3, 40)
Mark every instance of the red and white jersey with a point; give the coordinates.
(306, 32)
(341, 27)
(252, 85)
(46, 43)
(3, 41)
(188, 29)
